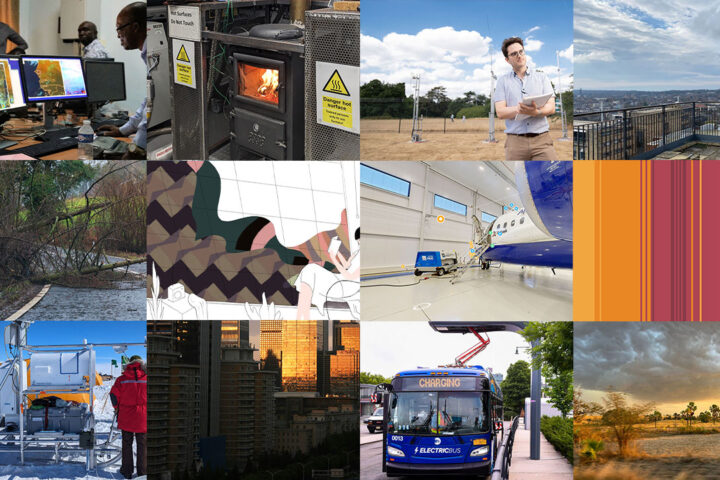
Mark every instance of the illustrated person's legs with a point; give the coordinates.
(304, 302)
(141, 453)
(127, 454)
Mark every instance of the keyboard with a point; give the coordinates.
(53, 145)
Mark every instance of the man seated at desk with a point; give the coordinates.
(92, 48)
(131, 30)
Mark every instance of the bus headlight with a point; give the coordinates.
(395, 452)
(478, 452)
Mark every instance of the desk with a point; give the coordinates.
(69, 154)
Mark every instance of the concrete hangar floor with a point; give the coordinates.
(503, 292)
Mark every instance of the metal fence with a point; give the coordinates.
(501, 471)
(643, 132)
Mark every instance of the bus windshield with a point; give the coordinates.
(432, 413)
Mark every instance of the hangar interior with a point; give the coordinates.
(411, 207)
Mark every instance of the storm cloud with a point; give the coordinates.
(659, 362)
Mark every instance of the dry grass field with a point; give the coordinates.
(380, 140)
(665, 452)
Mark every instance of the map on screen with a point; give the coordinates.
(53, 78)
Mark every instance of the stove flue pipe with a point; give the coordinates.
(297, 11)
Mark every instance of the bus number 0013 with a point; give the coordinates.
(397, 438)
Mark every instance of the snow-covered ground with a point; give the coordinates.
(40, 466)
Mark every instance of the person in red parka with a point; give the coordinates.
(129, 398)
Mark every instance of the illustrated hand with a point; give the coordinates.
(263, 312)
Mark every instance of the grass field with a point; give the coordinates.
(380, 140)
(665, 452)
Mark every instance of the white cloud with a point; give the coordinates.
(595, 56)
(646, 40)
(533, 29)
(532, 44)
(567, 53)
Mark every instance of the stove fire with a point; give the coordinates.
(270, 84)
(259, 83)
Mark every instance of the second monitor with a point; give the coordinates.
(11, 90)
(105, 81)
(53, 78)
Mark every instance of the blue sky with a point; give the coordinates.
(448, 42)
(647, 44)
(64, 333)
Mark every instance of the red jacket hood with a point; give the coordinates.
(134, 370)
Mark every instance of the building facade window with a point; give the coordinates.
(384, 181)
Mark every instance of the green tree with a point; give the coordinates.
(516, 387)
(553, 354)
(655, 417)
(714, 412)
(373, 379)
(689, 413)
(560, 393)
(621, 417)
(381, 99)
(705, 417)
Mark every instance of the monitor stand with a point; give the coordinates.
(48, 117)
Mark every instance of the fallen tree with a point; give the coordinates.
(100, 268)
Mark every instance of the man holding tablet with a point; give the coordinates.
(523, 99)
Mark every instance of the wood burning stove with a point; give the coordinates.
(268, 118)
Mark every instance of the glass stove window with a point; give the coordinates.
(259, 83)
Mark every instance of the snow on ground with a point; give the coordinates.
(40, 467)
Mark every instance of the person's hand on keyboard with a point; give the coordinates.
(110, 131)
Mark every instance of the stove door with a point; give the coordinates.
(259, 134)
(259, 81)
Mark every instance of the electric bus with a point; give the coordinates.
(444, 421)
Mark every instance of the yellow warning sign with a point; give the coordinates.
(184, 74)
(336, 85)
(182, 55)
(337, 111)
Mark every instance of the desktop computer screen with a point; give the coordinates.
(53, 78)
(11, 89)
(105, 81)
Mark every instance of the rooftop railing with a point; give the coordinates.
(643, 132)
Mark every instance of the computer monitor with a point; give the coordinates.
(105, 81)
(12, 95)
(49, 79)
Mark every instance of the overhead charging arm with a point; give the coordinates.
(468, 354)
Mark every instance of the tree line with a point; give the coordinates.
(388, 100)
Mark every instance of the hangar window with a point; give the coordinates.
(522, 220)
(486, 217)
(450, 205)
(384, 181)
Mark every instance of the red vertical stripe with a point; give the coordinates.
(662, 204)
(711, 239)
